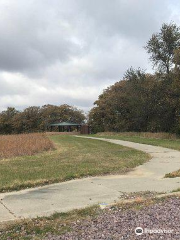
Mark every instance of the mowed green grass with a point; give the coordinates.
(73, 158)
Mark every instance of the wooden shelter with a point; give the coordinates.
(69, 127)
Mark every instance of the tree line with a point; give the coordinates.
(143, 101)
(37, 119)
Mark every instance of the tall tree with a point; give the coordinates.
(6, 125)
(161, 47)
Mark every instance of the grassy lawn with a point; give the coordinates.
(73, 158)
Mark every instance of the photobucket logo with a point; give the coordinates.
(139, 231)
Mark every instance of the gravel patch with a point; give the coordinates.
(135, 195)
(117, 223)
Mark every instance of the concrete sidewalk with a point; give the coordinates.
(61, 197)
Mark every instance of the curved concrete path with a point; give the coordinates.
(60, 197)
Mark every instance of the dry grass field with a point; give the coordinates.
(24, 144)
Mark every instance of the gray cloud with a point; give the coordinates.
(33, 37)
(68, 51)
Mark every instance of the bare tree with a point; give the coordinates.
(161, 47)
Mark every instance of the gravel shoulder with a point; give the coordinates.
(159, 220)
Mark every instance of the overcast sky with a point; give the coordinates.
(68, 51)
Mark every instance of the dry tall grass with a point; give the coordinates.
(24, 144)
(158, 135)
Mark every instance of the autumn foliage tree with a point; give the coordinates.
(138, 103)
